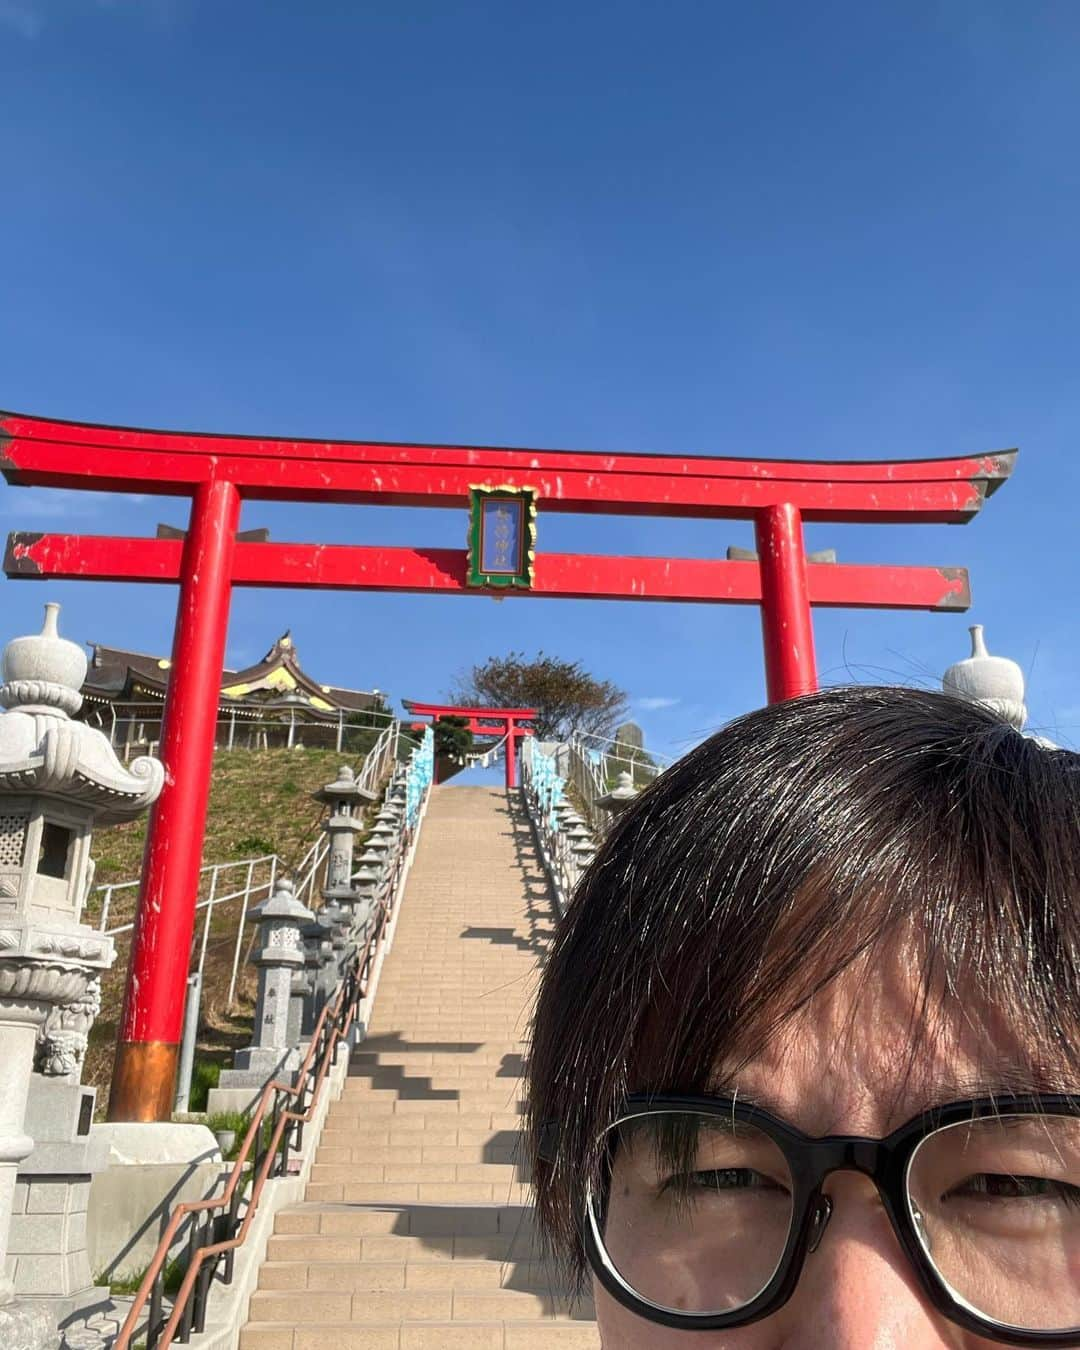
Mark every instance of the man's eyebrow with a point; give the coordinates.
(1008, 1081)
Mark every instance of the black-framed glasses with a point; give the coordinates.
(710, 1206)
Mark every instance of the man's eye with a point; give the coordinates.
(1007, 1186)
(724, 1179)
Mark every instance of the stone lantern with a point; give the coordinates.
(317, 952)
(346, 912)
(280, 954)
(346, 799)
(621, 795)
(58, 780)
(994, 681)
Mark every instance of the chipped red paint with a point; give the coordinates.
(510, 725)
(583, 576)
(63, 454)
(161, 946)
(19, 560)
(217, 471)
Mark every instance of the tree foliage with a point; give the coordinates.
(566, 697)
(453, 738)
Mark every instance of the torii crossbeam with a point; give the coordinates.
(218, 472)
(509, 724)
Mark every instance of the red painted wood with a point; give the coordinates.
(466, 710)
(161, 947)
(508, 718)
(443, 571)
(786, 626)
(37, 452)
(17, 426)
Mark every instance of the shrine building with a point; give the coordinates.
(130, 687)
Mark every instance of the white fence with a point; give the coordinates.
(594, 764)
(566, 843)
(135, 728)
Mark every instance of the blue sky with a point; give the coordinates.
(840, 231)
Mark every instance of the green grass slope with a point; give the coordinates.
(260, 803)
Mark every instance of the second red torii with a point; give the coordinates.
(511, 724)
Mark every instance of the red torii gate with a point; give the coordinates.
(218, 472)
(512, 725)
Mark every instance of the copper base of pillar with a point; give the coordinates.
(144, 1081)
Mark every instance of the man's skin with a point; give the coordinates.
(843, 1066)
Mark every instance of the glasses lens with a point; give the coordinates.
(698, 1210)
(996, 1203)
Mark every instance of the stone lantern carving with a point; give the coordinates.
(994, 681)
(58, 780)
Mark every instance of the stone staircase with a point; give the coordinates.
(417, 1230)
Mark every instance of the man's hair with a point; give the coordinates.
(763, 864)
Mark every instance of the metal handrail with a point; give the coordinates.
(224, 1230)
(323, 1045)
(587, 778)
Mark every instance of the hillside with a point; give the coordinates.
(259, 803)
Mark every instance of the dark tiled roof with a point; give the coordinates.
(117, 674)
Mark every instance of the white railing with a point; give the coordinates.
(594, 764)
(251, 880)
(380, 759)
(136, 727)
(621, 755)
(256, 874)
(567, 845)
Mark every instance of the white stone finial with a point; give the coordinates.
(995, 682)
(42, 750)
(44, 670)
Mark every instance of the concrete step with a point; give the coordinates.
(423, 1304)
(348, 1172)
(551, 1334)
(407, 1220)
(333, 1249)
(385, 1123)
(483, 1150)
(424, 1192)
(358, 1136)
(368, 1276)
(421, 1097)
(417, 1231)
(351, 1110)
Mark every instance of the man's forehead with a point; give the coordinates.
(864, 1057)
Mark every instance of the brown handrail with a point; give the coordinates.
(224, 1200)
